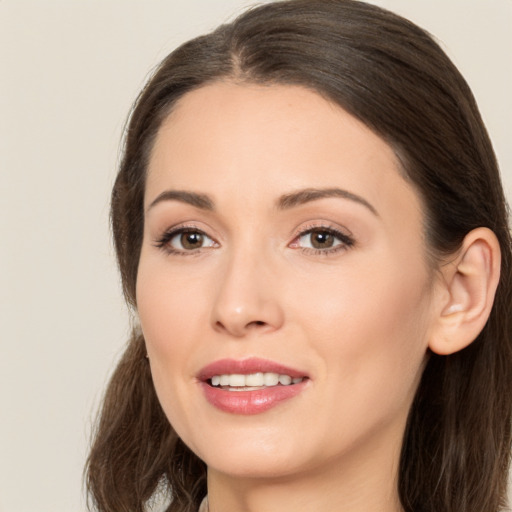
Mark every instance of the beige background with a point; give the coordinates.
(69, 72)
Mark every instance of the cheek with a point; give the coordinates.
(375, 299)
(171, 314)
(371, 330)
(170, 305)
(372, 359)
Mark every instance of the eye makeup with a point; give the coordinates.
(187, 240)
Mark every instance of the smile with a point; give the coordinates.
(241, 382)
(250, 386)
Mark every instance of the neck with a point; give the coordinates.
(366, 480)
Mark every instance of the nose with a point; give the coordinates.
(247, 298)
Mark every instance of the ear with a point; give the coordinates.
(468, 285)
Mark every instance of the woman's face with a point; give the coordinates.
(281, 244)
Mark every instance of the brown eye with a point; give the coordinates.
(321, 239)
(186, 240)
(191, 240)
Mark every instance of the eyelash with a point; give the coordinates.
(346, 241)
(164, 241)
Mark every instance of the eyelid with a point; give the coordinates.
(163, 241)
(344, 236)
(322, 224)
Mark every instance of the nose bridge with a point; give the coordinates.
(247, 298)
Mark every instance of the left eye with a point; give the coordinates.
(322, 238)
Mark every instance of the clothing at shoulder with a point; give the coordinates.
(204, 505)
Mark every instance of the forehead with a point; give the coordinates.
(271, 139)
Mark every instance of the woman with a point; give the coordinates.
(311, 229)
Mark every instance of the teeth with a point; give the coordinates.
(271, 379)
(236, 380)
(285, 380)
(254, 380)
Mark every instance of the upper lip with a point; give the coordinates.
(246, 366)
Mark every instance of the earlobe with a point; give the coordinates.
(469, 282)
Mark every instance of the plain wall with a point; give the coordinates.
(70, 70)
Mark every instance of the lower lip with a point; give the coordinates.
(250, 402)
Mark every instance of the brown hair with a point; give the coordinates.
(392, 76)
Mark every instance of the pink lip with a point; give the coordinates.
(244, 366)
(249, 402)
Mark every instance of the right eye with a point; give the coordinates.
(185, 240)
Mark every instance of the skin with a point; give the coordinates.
(356, 320)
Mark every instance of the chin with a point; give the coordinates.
(252, 465)
(257, 452)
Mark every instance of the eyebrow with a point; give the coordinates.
(201, 201)
(313, 194)
(285, 202)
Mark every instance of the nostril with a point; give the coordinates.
(240, 329)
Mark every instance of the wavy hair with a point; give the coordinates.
(395, 78)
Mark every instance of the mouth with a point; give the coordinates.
(250, 386)
(252, 381)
